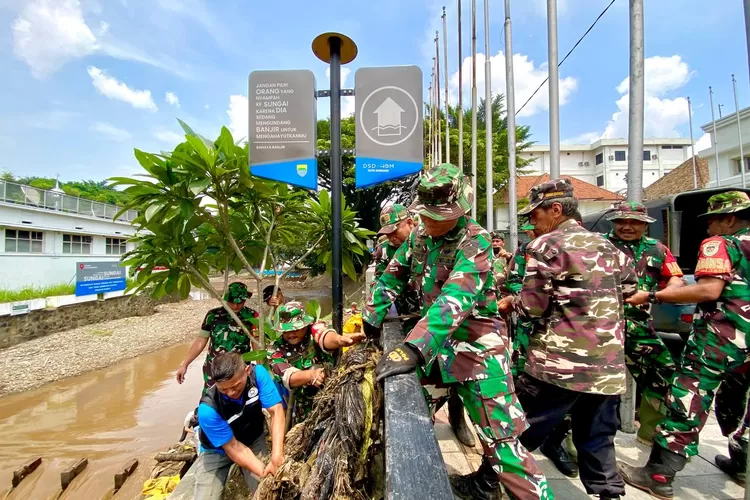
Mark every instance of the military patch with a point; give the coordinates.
(710, 248)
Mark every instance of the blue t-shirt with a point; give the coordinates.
(217, 429)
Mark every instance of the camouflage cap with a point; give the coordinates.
(550, 190)
(726, 203)
(526, 227)
(497, 235)
(292, 316)
(236, 293)
(631, 210)
(391, 216)
(443, 193)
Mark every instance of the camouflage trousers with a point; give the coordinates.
(650, 363)
(522, 332)
(499, 421)
(732, 410)
(709, 357)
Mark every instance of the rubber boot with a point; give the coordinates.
(735, 464)
(657, 475)
(480, 485)
(650, 417)
(458, 421)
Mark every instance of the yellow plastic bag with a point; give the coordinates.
(352, 325)
(159, 489)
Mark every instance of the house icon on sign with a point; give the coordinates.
(389, 118)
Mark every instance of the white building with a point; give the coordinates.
(728, 146)
(44, 233)
(605, 162)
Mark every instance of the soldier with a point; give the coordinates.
(500, 258)
(221, 333)
(298, 355)
(717, 346)
(648, 359)
(573, 294)
(460, 340)
(513, 284)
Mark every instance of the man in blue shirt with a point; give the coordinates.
(232, 428)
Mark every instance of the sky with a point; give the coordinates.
(84, 82)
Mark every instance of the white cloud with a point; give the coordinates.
(115, 89)
(703, 143)
(169, 137)
(172, 99)
(207, 106)
(585, 138)
(527, 77)
(238, 117)
(662, 115)
(347, 103)
(111, 131)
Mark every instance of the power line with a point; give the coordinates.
(566, 55)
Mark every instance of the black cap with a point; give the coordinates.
(268, 292)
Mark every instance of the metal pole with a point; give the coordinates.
(743, 163)
(489, 188)
(692, 144)
(474, 106)
(510, 103)
(713, 122)
(336, 182)
(447, 109)
(439, 104)
(429, 126)
(554, 91)
(460, 95)
(635, 120)
(719, 106)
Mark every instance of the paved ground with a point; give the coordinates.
(700, 479)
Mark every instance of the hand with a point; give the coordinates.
(370, 331)
(273, 301)
(505, 305)
(316, 377)
(181, 373)
(402, 359)
(273, 465)
(637, 298)
(351, 339)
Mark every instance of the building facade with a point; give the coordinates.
(727, 142)
(43, 234)
(605, 162)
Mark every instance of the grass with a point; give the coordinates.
(35, 292)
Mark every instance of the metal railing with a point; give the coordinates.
(20, 194)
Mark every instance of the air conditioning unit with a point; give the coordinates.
(580, 163)
(654, 157)
(611, 158)
(586, 164)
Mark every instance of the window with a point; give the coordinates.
(600, 158)
(75, 243)
(115, 246)
(671, 147)
(619, 155)
(737, 165)
(23, 241)
(647, 156)
(600, 180)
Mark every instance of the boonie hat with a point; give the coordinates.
(443, 193)
(631, 210)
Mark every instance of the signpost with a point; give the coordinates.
(282, 127)
(93, 278)
(389, 137)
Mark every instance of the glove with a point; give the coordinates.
(372, 332)
(402, 359)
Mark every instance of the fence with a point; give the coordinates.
(11, 192)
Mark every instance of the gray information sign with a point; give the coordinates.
(389, 138)
(283, 125)
(99, 277)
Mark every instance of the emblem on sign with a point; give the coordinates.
(711, 248)
(302, 169)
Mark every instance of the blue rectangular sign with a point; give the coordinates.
(99, 277)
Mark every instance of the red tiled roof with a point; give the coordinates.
(582, 190)
(679, 180)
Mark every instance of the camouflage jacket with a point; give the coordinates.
(460, 327)
(381, 257)
(726, 258)
(499, 268)
(408, 302)
(224, 334)
(574, 289)
(654, 265)
(516, 270)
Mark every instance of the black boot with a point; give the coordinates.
(553, 449)
(657, 475)
(480, 485)
(735, 464)
(458, 421)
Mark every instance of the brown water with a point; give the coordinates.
(130, 410)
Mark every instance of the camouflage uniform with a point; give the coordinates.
(499, 265)
(460, 336)
(573, 293)
(647, 358)
(522, 326)
(287, 359)
(223, 333)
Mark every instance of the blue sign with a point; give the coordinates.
(283, 127)
(93, 278)
(389, 134)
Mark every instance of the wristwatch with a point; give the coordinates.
(652, 297)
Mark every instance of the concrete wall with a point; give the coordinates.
(728, 146)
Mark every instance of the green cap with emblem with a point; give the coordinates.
(443, 193)
(391, 216)
(497, 235)
(236, 293)
(526, 227)
(631, 210)
(292, 316)
(550, 190)
(726, 203)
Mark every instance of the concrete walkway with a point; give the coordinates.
(701, 479)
